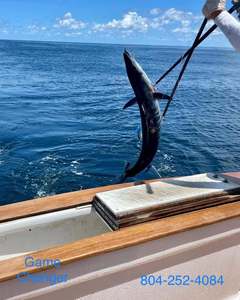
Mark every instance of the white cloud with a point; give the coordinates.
(173, 15)
(209, 25)
(5, 31)
(186, 39)
(35, 28)
(155, 24)
(73, 34)
(155, 11)
(130, 22)
(68, 22)
(217, 32)
(185, 30)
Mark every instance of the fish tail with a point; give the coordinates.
(123, 178)
(125, 175)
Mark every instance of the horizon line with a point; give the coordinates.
(104, 43)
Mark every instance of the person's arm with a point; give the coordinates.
(230, 27)
(215, 9)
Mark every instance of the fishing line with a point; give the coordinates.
(231, 10)
(179, 96)
(151, 167)
(173, 67)
(189, 116)
(184, 67)
(190, 42)
(47, 94)
(53, 19)
(186, 111)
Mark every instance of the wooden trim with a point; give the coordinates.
(70, 200)
(58, 202)
(124, 238)
(233, 177)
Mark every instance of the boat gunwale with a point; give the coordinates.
(59, 202)
(121, 239)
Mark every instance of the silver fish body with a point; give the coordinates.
(150, 115)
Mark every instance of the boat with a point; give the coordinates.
(175, 238)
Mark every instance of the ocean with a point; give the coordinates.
(63, 129)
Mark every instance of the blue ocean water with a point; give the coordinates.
(62, 127)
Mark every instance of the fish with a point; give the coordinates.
(146, 96)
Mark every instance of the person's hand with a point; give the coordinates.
(238, 10)
(214, 7)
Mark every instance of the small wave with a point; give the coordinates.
(42, 193)
(165, 168)
(167, 157)
(75, 162)
(48, 158)
(77, 173)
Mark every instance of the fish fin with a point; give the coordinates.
(159, 96)
(130, 103)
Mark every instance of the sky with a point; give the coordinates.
(166, 22)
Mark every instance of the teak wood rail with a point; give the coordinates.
(109, 242)
(58, 202)
(70, 200)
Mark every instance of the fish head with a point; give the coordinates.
(137, 77)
